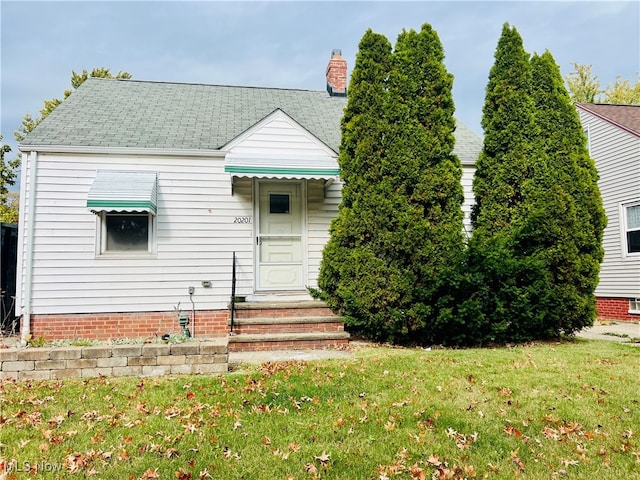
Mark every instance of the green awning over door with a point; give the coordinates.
(281, 166)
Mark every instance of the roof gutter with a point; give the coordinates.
(88, 149)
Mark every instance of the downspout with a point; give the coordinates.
(28, 252)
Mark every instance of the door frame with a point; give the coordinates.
(257, 185)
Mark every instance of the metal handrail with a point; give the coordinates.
(233, 292)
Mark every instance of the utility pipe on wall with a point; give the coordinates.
(193, 312)
(32, 162)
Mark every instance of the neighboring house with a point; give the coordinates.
(614, 143)
(137, 195)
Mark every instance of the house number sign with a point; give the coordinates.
(242, 220)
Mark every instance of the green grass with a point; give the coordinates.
(537, 412)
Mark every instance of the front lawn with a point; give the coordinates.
(537, 412)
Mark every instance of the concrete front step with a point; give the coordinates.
(287, 341)
(264, 325)
(299, 309)
(283, 320)
(288, 325)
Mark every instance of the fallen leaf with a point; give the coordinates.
(182, 474)
(323, 459)
(505, 392)
(510, 430)
(204, 474)
(171, 452)
(294, 447)
(417, 473)
(516, 459)
(310, 468)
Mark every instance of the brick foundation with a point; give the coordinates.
(257, 326)
(105, 326)
(615, 309)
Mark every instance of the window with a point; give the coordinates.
(126, 205)
(632, 227)
(126, 233)
(634, 305)
(586, 136)
(279, 203)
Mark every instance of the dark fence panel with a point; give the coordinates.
(8, 261)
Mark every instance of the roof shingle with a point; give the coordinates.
(131, 113)
(626, 116)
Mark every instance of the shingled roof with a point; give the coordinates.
(623, 116)
(116, 113)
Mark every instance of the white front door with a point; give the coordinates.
(279, 236)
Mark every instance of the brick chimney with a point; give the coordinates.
(337, 75)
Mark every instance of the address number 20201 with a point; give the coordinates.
(242, 220)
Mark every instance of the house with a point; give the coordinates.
(613, 133)
(143, 201)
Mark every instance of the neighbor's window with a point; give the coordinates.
(632, 227)
(126, 232)
(634, 305)
(586, 135)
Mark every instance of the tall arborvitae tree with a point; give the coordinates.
(504, 165)
(565, 224)
(426, 238)
(351, 278)
(505, 282)
(536, 248)
(400, 221)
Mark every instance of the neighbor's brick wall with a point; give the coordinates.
(614, 309)
(107, 326)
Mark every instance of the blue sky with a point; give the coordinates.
(288, 44)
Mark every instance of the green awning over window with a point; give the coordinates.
(113, 191)
(279, 166)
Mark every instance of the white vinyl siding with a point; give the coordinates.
(196, 232)
(279, 135)
(617, 156)
(467, 185)
(196, 236)
(203, 216)
(322, 209)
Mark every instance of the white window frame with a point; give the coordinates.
(624, 229)
(101, 236)
(634, 305)
(587, 134)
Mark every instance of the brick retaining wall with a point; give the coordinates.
(209, 356)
